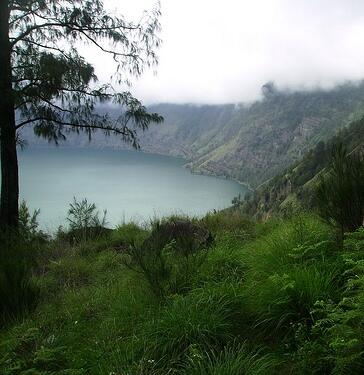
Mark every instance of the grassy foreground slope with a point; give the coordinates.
(273, 298)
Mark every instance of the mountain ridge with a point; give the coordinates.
(260, 140)
(248, 143)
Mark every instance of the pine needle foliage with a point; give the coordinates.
(340, 194)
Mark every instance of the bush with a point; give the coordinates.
(171, 256)
(288, 270)
(29, 226)
(30, 354)
(335, 344)
(18, 292)
(85, 222)
(340, 194)
(285, 300)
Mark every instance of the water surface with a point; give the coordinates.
(131, 185)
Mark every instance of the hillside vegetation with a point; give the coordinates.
(249, 298)
(226, 294)
(252, 143)
(293, 189)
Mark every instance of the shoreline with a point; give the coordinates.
(184, 159)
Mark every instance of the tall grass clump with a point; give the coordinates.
(304, 239)
(226, 261)
(232, 221)
(188, 323)
(289, 270)
(284, 300)
(232, 360)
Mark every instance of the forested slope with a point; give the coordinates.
(254, 143)
(294, 187)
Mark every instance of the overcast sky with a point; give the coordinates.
(222, 51)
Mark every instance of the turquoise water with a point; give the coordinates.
(130, 185)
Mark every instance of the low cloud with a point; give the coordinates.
(224, 51)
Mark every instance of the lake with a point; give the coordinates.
(130, 185)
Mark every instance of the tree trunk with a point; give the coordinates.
(9, 161)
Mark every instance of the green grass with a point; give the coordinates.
(269, 298)
(283, 300)
(232, 360)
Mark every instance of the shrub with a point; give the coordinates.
(284, 300)
(171, 256)
(340, 194)
(188, 237)
(30, 354)
(28, 224)
(85, 222)
(335, 344)
(18, 292)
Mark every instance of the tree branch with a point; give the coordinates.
(32, 28)
(72, 26)
(75, 125)
(47, 47)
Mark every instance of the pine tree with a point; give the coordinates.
(340, 193)
(47, 84)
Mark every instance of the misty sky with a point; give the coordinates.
(223, 51)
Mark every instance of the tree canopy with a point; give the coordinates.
(55, 87)
(45, 81)
(340, 193)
